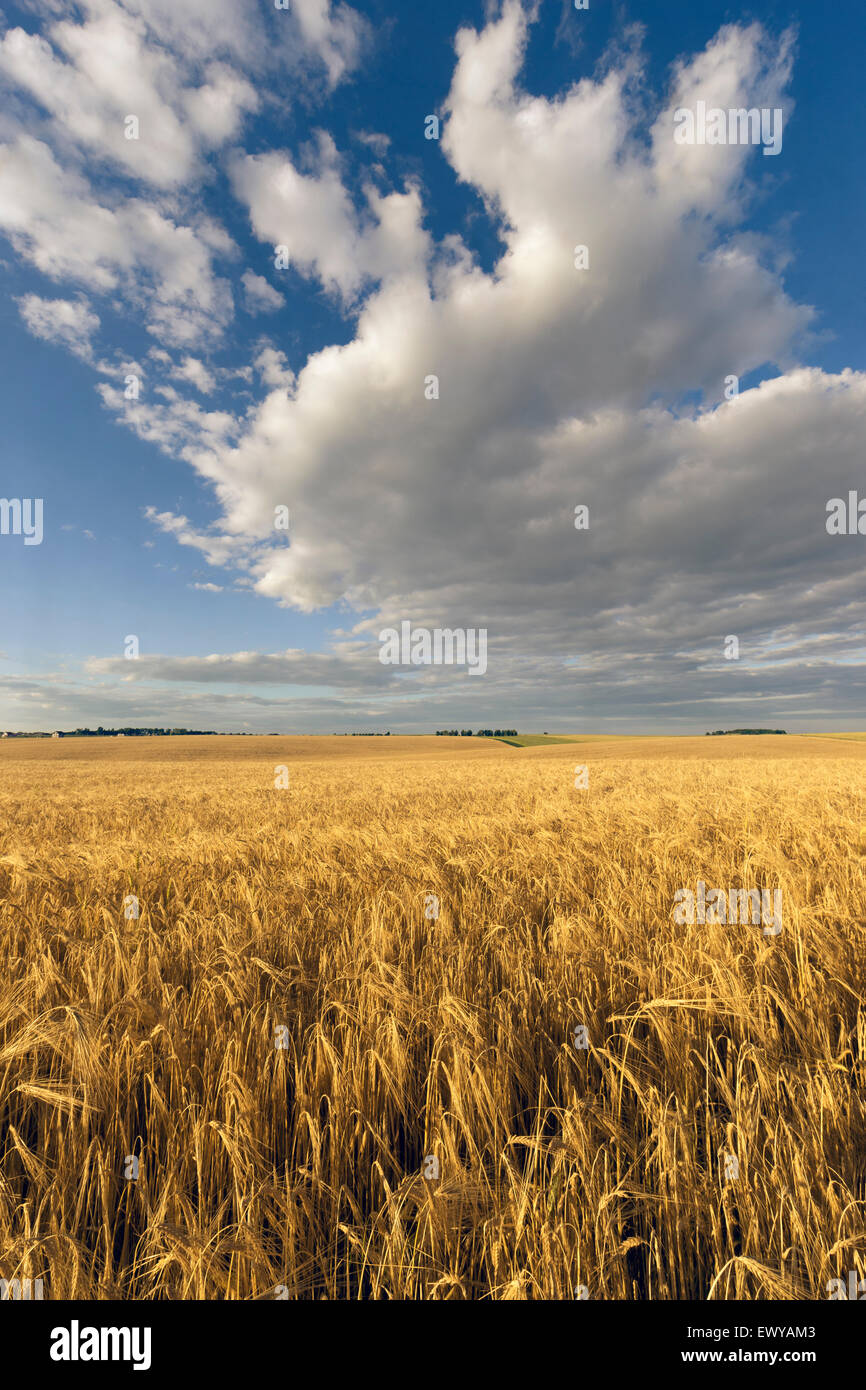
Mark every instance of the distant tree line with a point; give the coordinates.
(482, 733)
(137, 733)
(133, 732)
(108, 733)
(716, 732)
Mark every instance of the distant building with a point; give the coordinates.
(58, 733)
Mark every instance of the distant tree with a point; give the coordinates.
(723, 732)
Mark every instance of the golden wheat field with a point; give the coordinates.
(291, 1045)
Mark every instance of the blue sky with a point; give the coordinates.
(308, 126)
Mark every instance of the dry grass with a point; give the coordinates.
(302, 1167)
